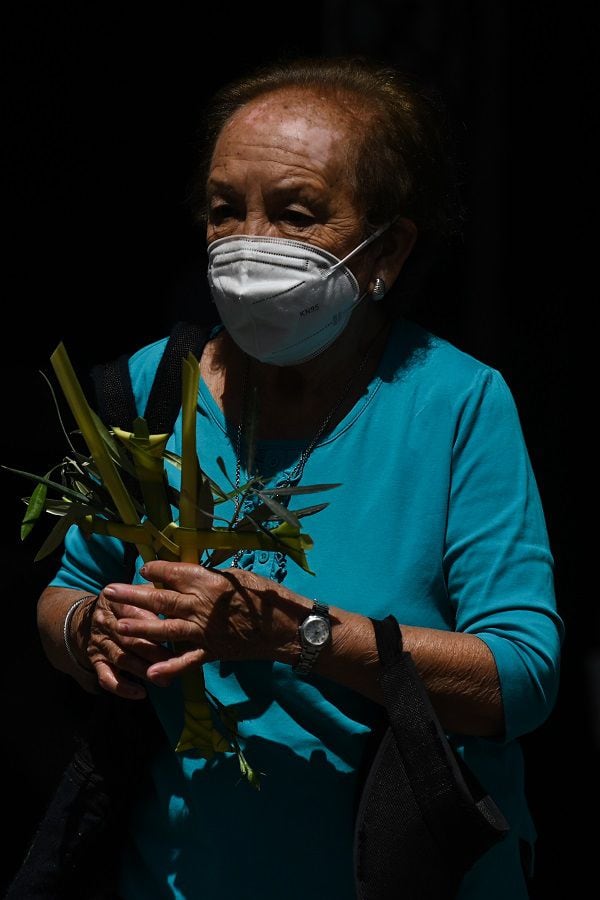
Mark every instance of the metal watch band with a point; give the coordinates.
(309, 655)
(320, 609)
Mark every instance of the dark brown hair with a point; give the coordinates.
(403, 161)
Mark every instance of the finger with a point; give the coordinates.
(133, 659)
(118, 660)
(105, 640)
(157, 600)
(149, 651)
(126, 610)
(115, 683)
(159, 630)
(106, 616)
(176, 575)
(163, 673)
(102, 639)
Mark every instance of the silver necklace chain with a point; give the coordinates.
(298, 470)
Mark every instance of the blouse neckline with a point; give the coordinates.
(211, 407)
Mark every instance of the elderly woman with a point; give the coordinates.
(319, 178)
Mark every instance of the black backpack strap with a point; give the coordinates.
(114, 391)
(164, 401)
(115, 398)
(423, 818)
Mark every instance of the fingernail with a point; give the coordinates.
(143, 571)
(109, 592)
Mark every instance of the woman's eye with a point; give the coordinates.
(298, 218)
(221, 213)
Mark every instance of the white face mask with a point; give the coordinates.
(283, 302)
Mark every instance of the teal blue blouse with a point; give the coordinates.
(438, 521)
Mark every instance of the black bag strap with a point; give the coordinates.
(461, 816)
(84, 819)
(116, 400)
(114, 391)
(423, 819)
(164, 401)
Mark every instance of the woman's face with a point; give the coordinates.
(279, 170)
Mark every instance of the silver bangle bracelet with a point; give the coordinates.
(67, 627)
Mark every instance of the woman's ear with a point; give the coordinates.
(396, 245)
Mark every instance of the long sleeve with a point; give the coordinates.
(498, 563)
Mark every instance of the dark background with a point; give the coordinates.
(102, 108)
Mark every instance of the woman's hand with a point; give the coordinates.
(226, 614)
(114, 656)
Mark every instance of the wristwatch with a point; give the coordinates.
(314, 632)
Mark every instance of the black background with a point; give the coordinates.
(101, 112)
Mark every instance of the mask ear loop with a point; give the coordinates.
(361, 246)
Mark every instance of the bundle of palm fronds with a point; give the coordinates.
(120, 488)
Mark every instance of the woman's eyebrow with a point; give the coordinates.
(216, 186)
(298, 190)
(295, 191)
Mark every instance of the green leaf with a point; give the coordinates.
(58, 507)
(216, 557)
(246, 769)
(222, 496)
(303, 489)
(254, 521)
(60, 418)
(105, 434)
(248, 523)
(221, 465)
(93, 490)
(261, 512)
(204, 504)
(188, 513)
(310, 510)
(59, 465)
(51, 484)
(279, 510)
(249, 485)
(82, 488)
(117, 452)
(173, 458)
(35, 508)
(219, 493)
(86, 466)
(58, 533)
(79, 474)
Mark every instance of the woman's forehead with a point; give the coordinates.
(292, 125)
(295, 114)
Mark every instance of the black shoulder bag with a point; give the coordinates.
(423, 819)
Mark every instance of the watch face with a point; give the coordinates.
(316, 630)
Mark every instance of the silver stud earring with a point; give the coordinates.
(378, 292)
